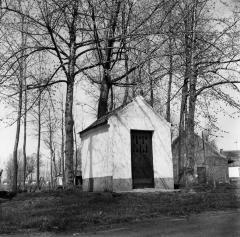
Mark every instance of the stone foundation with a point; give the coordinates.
(96, 184)
(101, 184)
(164, 183)
(122, 185)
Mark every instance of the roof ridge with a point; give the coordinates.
(104, 119)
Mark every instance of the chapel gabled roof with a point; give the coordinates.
(104, 119)
(99, 122)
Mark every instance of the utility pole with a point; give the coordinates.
(236, 142)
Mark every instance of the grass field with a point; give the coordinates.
(76, 210)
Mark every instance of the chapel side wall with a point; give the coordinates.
(138, 116)
(96, 164)
(120, 144)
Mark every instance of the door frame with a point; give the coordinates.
(151, 132)
(203, 168)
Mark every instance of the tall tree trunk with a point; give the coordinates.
(168, 110)
(191, 79)
(69, 122)
(190, 133)
(69, 136)
(104, 93)
(25, 133)
(106, 81)
(183, 111)
(62, 167)
(182, 126)
(170, 72)
(24, 43)
(20, 82)
(15, 150)
(54, 161)
(39, 140)
(51, 173)
(133, 82)
(151, 84)
(124, 30)
(126, 92)
(76, 151)
(190, 138)
(52, 152)
(111, 107)
(181, 147)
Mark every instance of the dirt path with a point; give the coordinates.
(220, 223)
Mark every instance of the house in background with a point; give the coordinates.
(233, 163)
(126, 149)
(210, 165)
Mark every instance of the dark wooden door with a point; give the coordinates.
(142, 159)
(202, 176)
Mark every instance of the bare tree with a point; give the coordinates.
(30, 168)
(25, 132)
(118, 38)
(54, 30)
(20, 78)
(203, 57)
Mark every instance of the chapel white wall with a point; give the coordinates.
(95, 153)
(139, 116)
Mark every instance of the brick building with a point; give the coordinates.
(210, 165)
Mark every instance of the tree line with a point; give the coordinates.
(180, 55)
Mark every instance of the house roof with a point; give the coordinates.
(233, 155)
(104, 119)
(214, 150)
(99, 122)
